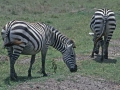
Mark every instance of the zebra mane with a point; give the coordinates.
(58, 40)
(58, 35)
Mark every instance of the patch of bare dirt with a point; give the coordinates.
(76, 82)
(114, 48)
(4, 58)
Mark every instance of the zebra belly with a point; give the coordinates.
(29, 50)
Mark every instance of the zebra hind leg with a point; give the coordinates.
(106, 50)
(92, 55)
(13, 75)
(31, 63)
(102, 52)
(97, 47)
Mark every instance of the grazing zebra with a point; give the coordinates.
(30, 38)
(103, 24)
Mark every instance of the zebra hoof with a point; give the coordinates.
(101, 60)
(106, 57)
(96, 52)
(29, 75)
(45, 75)
(13, 77)
(92, 56)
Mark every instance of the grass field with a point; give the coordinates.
(70, 17)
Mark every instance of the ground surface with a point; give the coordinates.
(76, 82)
(71, 83)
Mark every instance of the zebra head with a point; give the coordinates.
(69, 56)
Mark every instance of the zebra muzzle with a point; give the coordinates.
(73, 69)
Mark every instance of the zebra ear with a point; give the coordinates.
(72, 42)
(91, 34)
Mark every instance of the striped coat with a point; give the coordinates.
(103, 24)
(30, 38)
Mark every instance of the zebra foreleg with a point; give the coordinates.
(31, 63)
(43, 54)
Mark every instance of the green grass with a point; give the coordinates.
(106, 70)
(70, 17)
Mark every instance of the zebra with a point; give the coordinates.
(21, 37)
(103, 24)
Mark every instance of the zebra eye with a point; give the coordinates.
(72, 55)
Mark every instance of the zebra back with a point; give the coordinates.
(37, 34)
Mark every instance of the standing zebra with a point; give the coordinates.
(30, 38)
(103, 24)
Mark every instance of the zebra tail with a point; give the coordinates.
(104, 28)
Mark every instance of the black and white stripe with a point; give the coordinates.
(30, 38)
(103, 24)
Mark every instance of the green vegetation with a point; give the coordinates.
(70, 17)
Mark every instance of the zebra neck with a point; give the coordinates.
(58, 41)
(59, 46)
